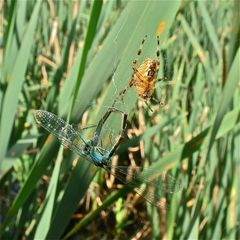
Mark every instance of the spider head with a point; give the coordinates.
(153, 68)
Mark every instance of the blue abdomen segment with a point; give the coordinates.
(98, 159)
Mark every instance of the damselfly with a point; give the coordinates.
(148, 183)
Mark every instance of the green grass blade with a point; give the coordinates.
(49, 202)
(226, 99)
(15, 85)
(210, 28)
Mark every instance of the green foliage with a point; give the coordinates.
(73, 59)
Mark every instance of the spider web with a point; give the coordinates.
(155, 186)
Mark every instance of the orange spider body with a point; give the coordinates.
(144, 78)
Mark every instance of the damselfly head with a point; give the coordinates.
(86, 149)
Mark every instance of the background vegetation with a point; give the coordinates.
(72, 58)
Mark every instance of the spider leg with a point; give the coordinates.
(162, 79)
(158, 53)
(158, 48)
(101, 144)
(134, 63)
(148, 106)
(161, 103)
(121, 94)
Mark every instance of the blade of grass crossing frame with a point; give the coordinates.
(210, 28)
(49, 201)
(92, 26)
(10, 100)
(227, 96)
(37, 171)
(8, 36)
(74, 191)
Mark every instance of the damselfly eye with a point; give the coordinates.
(86, 148)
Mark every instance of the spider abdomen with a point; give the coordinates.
(144, 79)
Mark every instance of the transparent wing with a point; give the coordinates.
(155, 187)
(66, 133)
(74, 137)
(152, 185)
(83, 128)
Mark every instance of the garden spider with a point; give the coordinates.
(144, 77)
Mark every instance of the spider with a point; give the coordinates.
(144, 77)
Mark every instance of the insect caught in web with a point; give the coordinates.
(74, 139)
(144, 77)
(156, 185)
